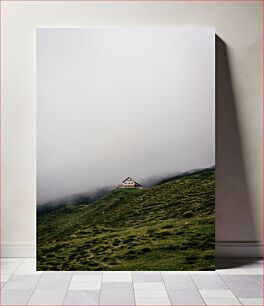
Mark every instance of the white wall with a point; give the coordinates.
(239, 107)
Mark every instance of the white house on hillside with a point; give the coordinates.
(129, 183)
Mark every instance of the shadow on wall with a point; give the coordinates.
(234, 215)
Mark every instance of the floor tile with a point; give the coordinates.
(54, 281)
(209, 282)
(177, 273)
(185, 297)
(258, 279)
(57, 273)
(15, 297)
(217, 294)
(149, 286)
(248, 293)
(117, 272)
(255, 271)
(56, 276)
(252, 301)
(240, 282)
(205, 273)
(117, 277)
(32, 278)
(20, 285)
(151, 294)
(178, 282)
(117, 286)
(5, 277)
(87, 278)
(12, 265)
(146, 277)
(85, 286)
(27, 268)
(223, 301)
(158, 302)
(117, 297)
(87, 297)
(87, 272)
(47, 297)
(53, 285)
(8, 270)
(233, 271)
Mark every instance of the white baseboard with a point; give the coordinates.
(239, 249)
(18, 249)
(223, 249)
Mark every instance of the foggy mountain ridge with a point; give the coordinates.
(89, 197)
(75, 199)
(125, 112)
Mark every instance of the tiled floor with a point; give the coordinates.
(236, 282)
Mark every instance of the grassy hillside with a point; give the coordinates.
(167, 227)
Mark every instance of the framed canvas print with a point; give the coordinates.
(126, 148)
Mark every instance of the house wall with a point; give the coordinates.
(128, 183)
(239, 107)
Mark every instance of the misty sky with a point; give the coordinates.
(118, 102)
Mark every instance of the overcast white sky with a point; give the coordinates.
(118, 102)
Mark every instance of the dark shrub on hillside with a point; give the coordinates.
(188, 214)
(167, 226)
(145, 250)
(171, 247)
(209, 256)
(116, 242)
(163, 234)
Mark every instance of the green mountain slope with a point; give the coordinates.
(167, 227)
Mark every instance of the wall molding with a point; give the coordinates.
(18, 249)
(223, 249)
(239, 249)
